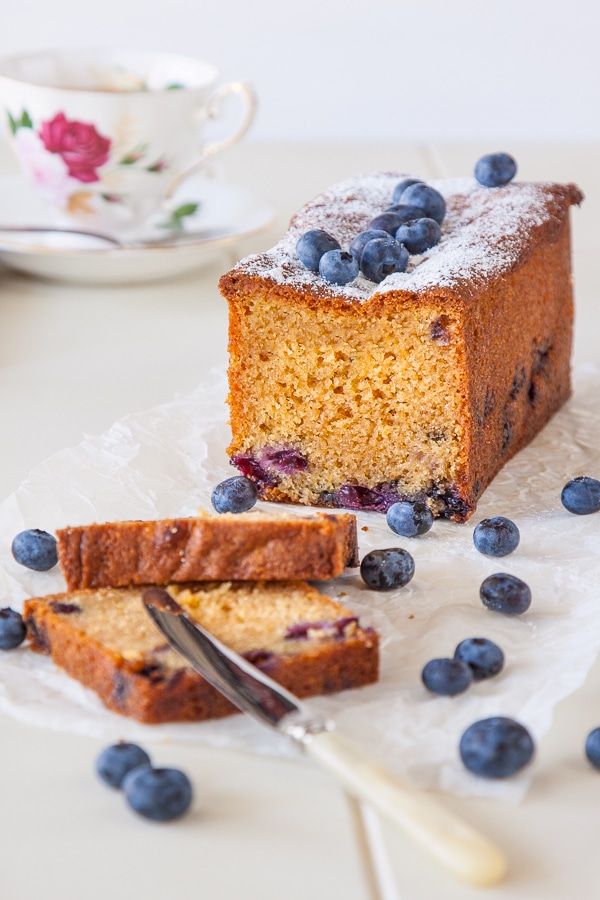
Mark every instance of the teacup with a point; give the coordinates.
(107, 136)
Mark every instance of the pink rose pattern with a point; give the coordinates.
(81, 147)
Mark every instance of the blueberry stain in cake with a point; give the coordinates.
(506, 594)
(158, 794)
(581, 495)
(35, 549)
(65, 609)
(312, 245)
(497, 747)
(484, 657)
(446, 677)
(360, 497)
(384, 570)
(262, 659)
(409, 519)
(302, 630)
(419, 235)
(250, 467)
(401, 187)
(382, 257)
(426, 198)
(234, 495)
(361, 240)
(116, 761)
(338, 267)
(495, 169)
(286, 460)
(12, 628)
(496, 536)
(438, 330)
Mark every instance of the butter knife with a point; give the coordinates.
(452, 842)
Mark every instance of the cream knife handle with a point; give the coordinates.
(456, 845)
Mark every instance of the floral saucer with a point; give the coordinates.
(204, 217)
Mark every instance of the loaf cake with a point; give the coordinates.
(244, 547)
(420, 387)
(106, 639)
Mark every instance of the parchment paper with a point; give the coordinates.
(165, 462)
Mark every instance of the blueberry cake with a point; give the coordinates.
(250, 546)
(106, 640)
(418, 386)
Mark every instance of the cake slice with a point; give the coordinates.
(107, 641)
(244, 547)
(420, 387)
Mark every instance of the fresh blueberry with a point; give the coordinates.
(116, 761)
(12, 628)
(427, 198)
(338, 267)
(312, 245)
(234, 495)
(581, 495)
(419, 235)
(389, 222)
(158, 794)
(406, 212)
(409, 519)
(384, 570)
(592, 747)
(35, 549)
(484, 657)
(495, 169)
(361, 240)
(401, 187)
(446, 676)
(381, 257)
(496, 536)
(506, 594)
(497, 747)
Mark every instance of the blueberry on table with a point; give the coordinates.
(409, 519)
(312, 245)
(505, 594)
(482, 656)
(234, 495)
(495, 169)
(116, 761)
(401, 187)
(497, 747)
(361, 240)
(592, 747)
(12, 628)
(158, 794)
(384, 570)
(581, 495)
(382, 257)
(446, 677)
(426, 198)
(496, 536)
(35, 549)
(338, 267)
(419, 235)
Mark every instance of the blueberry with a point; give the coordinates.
(116, 761)
(159, 794)
(12, 628)
(409, 519)
(446, 676)
(592, 747)
(338, 267)
(497, 747)
(312, 245)
(427, 198)
(496, 536)
(381, 257)
(406, 212)
(495, 169)
(35, 549)
(384, 570)
(358, 244)
(401, 187)
(506, 594)
(419, 235)
(581, 495)
(389, 222)
(484, 657)
(234, 495)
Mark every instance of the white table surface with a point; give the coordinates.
(72, 360)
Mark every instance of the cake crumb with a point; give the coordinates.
(411, 616)
(365, 528)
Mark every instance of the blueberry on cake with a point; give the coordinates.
(417, 373)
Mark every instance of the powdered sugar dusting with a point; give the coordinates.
(485, 233)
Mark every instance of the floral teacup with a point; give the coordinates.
(106, 136)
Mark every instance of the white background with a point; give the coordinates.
(367, 70)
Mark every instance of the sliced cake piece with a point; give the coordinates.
(419, 387)
(107, 641)
(244, 547)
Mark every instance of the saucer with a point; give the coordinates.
(225, 214)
